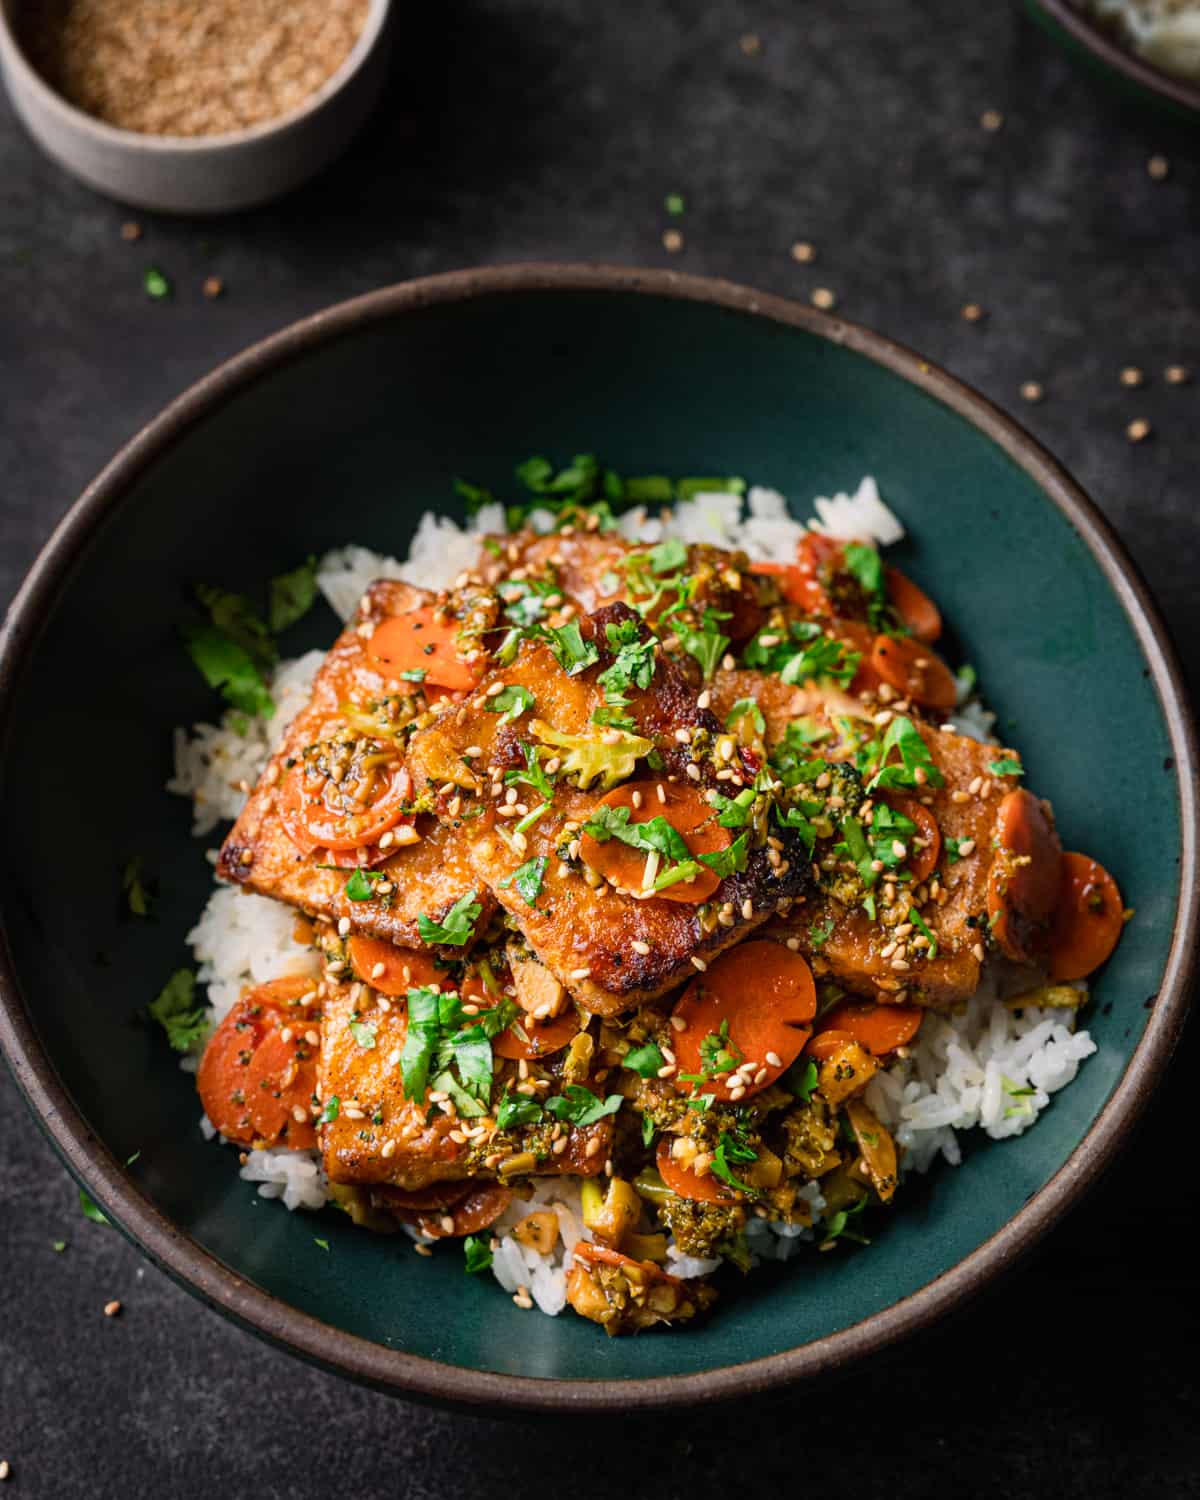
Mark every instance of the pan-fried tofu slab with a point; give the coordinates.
(404, 1129)
(336, 797)
(916, 927)
(570, 770)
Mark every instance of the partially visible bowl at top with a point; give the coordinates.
(203, 174)
(345, 428)
(1102, 53)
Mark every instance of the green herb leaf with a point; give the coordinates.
(1006, 767)
(645, 1060)
(420, 1041)
(735, 812)
(179, 1013)
(517, 1109)
(718, 1054)
(290, 596)
(91, 1210)
(820, 933)
(571, 651)
(228, 668)
(156, 284)
(58, 1246)
(579, 1106)
(358, 886)
(674, 205)
(458, 925)
(706, 645)
(801, 1079)
(953, 849)
(477, 1255)
(333, 1108)
(137, 897)
(514, 701)
(528, 878)
(654, 834)
(730, 1148)
(321, 1244)
(902, 738)
(914, 916)
(740, 710)
(668, 557)
(363, 1034)
(726, 862)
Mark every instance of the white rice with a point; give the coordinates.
(966, 1072)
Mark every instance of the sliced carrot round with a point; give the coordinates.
(824, 1044)
(1087, 920)
(482, 1205)
(765, 993)
(921, 861)
(541, 1037)
(913, 605)
(686, 1183)
(914, 671)
(687, 812)
(319, 813)
(422, 642)
(860, 638)
(818, 558)
(252, 1079)
(392, 970)
(878, 1028)
(1024, 880)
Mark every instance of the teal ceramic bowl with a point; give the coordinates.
(1123, 71)
(346, 427)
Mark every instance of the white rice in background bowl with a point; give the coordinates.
(989, 1068)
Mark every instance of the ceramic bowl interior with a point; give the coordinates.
(345, 429)
(1100, 51)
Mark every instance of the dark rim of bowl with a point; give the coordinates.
(1107, 50)
(411, 1375)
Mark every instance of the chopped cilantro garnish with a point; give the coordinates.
(865, 566)
(533, 775)
(820, 933)
(321, 1244)
(1006, 767)
(731, 1147)
(226, 666)
(654, 834)
(137, 896)
(363, 1034)
(528, 878)
(954, 850)
(579, 1106)
(90, 1209)
(718, 1054)
(734, 811)
(668, 557)
(747, 707)
(456, 927)
(290, 596)
(914, 916)
(835, 1225)
(156, 284)
(801, 1079)
(477, 1255)
(517, 1109)
(571, 651)
(726, 862)
(333, 1108)
(902, 738)
(512, 702)
(645, 1060)
(358, 886)
(707, 644)
(179, 1013)
(647, 1130)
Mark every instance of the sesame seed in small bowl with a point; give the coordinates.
(190, 109)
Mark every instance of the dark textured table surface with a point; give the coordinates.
(516, 129)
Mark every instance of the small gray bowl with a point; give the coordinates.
(202, 174)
